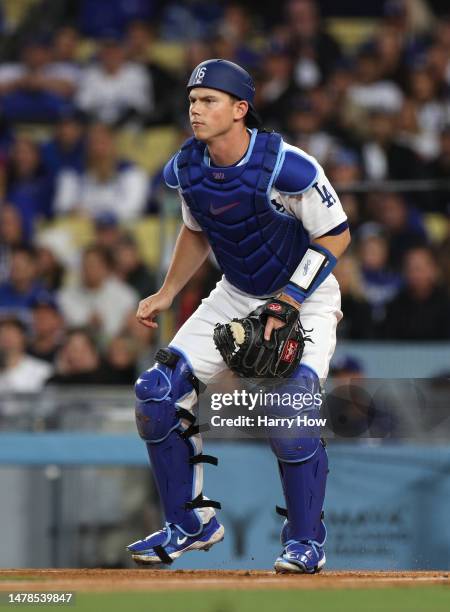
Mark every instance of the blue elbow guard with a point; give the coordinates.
(316, 264)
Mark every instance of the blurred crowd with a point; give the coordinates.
(376, 115)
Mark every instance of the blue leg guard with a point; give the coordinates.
(303, 462)
(165, 397)
(304, 491)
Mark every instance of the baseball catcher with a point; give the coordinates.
(276, 228)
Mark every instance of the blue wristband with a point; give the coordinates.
(295, 292)
(316, 264)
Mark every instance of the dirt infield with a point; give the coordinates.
(99, 580)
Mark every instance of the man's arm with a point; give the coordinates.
(304, 191)
(52, 84)
(336, 245)
(191, 250)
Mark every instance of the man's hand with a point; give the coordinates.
(151, 306)
(274, 323)
(271, 324)
(244, 349)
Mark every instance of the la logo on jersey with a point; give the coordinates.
(326, 196)
(200, 75)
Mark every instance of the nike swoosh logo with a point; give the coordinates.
(222, 209)
(181, 540)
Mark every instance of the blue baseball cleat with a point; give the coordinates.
(285, 535)
(300, 557)
(306, 557)
(169, 543)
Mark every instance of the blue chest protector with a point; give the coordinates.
(257, 247)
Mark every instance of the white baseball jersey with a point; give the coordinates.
(320, 211)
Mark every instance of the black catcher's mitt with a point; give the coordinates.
(243, 348)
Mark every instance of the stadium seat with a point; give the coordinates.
(351, 33)
(149, 148)
(436, 226)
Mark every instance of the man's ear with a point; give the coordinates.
(240, 109)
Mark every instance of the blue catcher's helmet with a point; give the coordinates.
(230, 78)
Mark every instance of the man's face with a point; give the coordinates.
(420, 270)
(12, 339)
(212, 113)
(112, 56)
(381, 127)
(374, 253)
(10, 225)
(100, 142)
(94, 271)
(23, 270)
(392, 212)
(79, 354)
(25, 156)
(36, 56)
(46, 320)
(69, 132)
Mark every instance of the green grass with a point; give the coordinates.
(414, 599)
